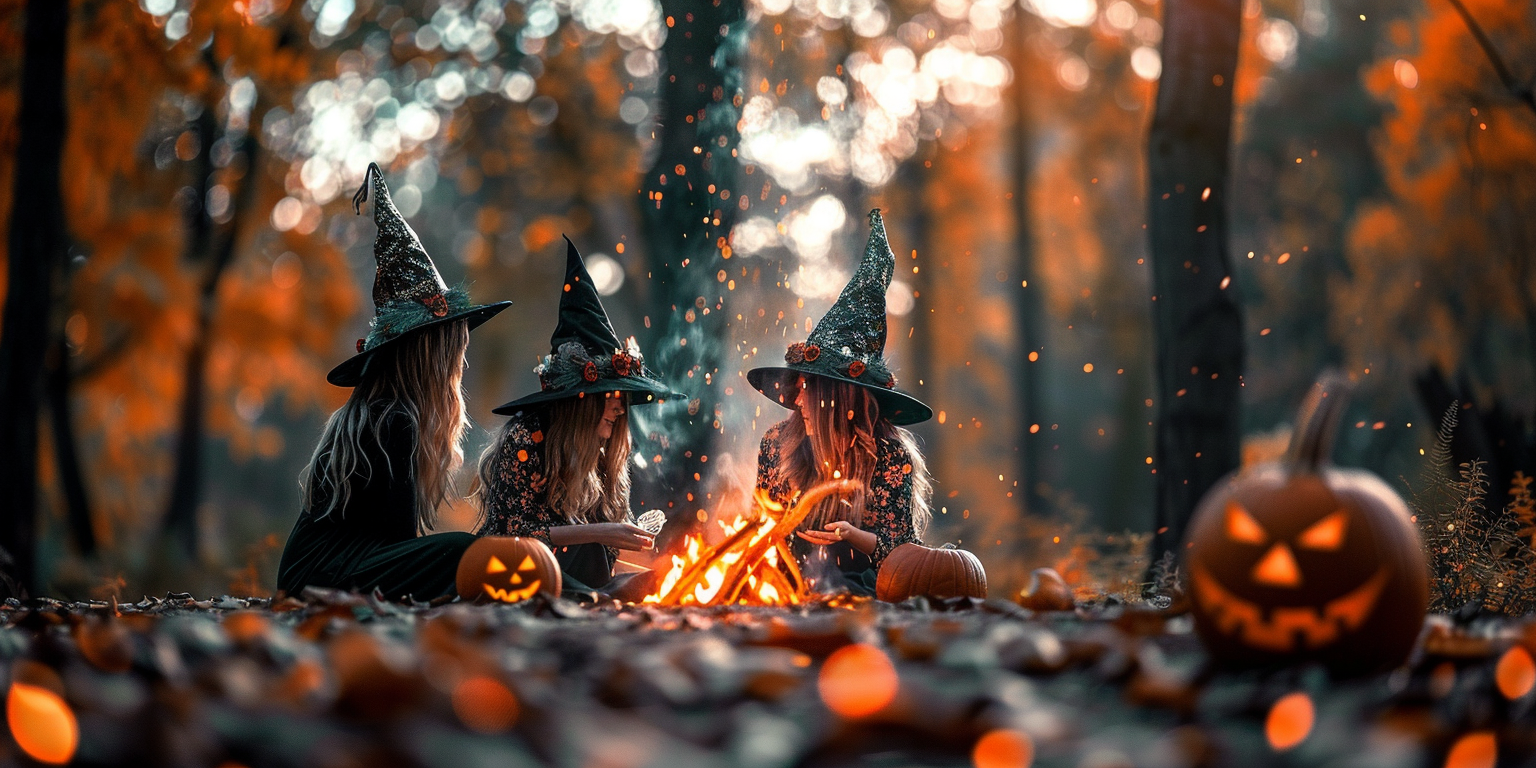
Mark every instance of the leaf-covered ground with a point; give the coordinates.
(345, 680)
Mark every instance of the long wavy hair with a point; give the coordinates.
(587, 477)
(843, 444)
(420, 377)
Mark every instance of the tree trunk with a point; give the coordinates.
(77, 500)
(688, 211)
(1027, 323)
(1196, 318)
(36, 246)
(180, 522)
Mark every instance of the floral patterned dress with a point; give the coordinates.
(887, 510)
(517, 504)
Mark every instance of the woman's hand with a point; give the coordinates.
(841, 530)
(619, 535)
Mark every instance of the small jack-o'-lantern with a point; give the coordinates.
(1299, 561)
(913, 569)
(509, 569)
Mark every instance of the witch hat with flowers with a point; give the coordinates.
(585, 355)
(408, 293)
(848, 344)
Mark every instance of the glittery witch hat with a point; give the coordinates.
(849, 342)
(585, 355)
(408, 293)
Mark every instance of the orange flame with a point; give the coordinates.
(752, 565)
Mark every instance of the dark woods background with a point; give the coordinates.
(1129, 235)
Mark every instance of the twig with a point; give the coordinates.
(1524, 93)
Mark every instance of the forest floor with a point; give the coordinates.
(341, 679)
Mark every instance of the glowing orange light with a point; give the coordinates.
(42, 724)
(751, 564)
(1278, 568)
(1003, 748)
(1516, 673)
(1474, 750)
(857, 681)
(1290, 721)
(1326, 534)
(483, 704)
(1240, 525)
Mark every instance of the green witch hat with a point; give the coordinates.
(585, 355)
(849, 343)
(408, 293)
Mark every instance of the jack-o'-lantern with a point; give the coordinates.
(509, 569)
(913, 569)
(1297, 560)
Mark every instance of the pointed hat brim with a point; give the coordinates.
(776, 382)
(350, 372)
(652, 390)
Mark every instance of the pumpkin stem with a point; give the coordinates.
(1317, 421)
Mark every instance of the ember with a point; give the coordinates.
(753, 565)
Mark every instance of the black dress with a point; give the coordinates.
(887, 514)
(517, 504)
(371, 543)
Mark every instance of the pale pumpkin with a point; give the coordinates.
(913, 569)
(508, 569)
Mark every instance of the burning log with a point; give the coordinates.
(753, 565)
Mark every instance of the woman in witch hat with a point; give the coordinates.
(845, 422)
(559, 469)
(386, 458)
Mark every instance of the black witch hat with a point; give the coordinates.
(849, 343)
(408, 293)
(585, 355)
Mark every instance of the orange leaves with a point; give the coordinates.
(1431, 269)
(542, 232)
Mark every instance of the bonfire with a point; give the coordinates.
(753, 565)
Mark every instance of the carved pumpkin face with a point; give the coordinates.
(508, 570)
(519, 588)
(1290, 561)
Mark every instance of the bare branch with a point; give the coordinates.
(1523, 92)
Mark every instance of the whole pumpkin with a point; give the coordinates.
(913, 569)
(1296, 560)
(509, 569)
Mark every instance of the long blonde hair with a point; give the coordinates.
(422, 379)
(844, 444)
(587, 477)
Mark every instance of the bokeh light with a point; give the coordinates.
(42, 724)
(1515, 673)
(857, 681)
(1003, 748)
(1290, 721)
(607, 273)
(1474, 750)
(485, 705)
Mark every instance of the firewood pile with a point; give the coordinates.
(340, 679)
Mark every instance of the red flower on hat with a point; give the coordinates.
(812, 352)
(856, 369)
(437, 303)
(589, 371)
(890, 381)
(622, 363)
(359, 346)
(795, 354)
